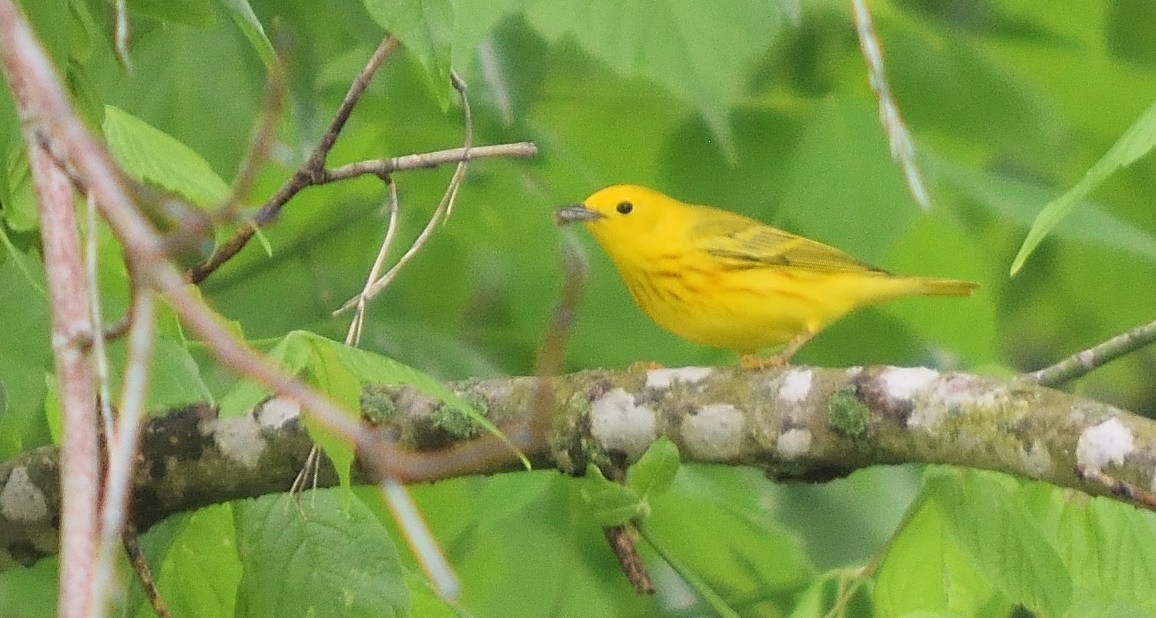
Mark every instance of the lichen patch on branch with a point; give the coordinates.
(715, 432)
(1105, 444)
(239, 439)
(21, 499)
(794, 443)
(276, 412)
(906, 382)
(665, 378)
(619, 424)
(796, 386)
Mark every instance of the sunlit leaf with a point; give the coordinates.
(283, 550)
(151, 156)
(242, 14)
(425, 28)
(990, 524)
(699, 51)
(1136, 142)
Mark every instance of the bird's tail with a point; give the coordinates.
(945, 287)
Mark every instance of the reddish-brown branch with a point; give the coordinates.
(71, 329)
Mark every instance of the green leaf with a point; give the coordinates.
(1012, 199)
(325, 560)
(700, 51)
(1111, 549)
(243, 16)
(1133, 144)
(829, 588)
(653, 473)
(152, 156)
(611, 504)
(32, 589)
(717, 603)
(990, 524)
(425, 28)
(924, 570)
(24, 354)
(20, 209)
(196, 563)
(845, 190)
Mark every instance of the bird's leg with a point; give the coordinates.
(782, 359)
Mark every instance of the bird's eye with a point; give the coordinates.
(625, 207)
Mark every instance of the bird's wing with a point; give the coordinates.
(743, 243)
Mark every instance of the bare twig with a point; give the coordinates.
(420, 540)
(902, 146)
(121, 35)
(1083, 363)
(428, 160)
(353, 337)
(440, 214)
(95, 314)
(122, 445)
(306, 175)
(139, 565)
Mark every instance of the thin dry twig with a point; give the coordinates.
(898, 136)
(353, 337)
(121, 35)
(440, 214)
(104, 390)
(1083, 363)
(140, 566)
(123, 444)
(306, 175)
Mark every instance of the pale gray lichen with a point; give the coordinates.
(796, 386)
(239, 440)
(617, 423)
(21, 499)
(276, 412)
(715, 433)
(794, 443)
(1107, 443)
(903, 383)
(665, 378)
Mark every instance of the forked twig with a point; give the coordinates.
(304, 176)
(440, 214)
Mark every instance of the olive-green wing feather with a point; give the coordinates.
(742, 243)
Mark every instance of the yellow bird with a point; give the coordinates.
(726, 281)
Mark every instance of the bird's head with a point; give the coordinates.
(621, 214)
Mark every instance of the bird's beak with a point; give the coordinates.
(576, 213)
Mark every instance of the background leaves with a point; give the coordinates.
(761, 108)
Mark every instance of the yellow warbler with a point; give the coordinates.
(727, 281)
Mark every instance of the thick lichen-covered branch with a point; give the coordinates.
(797, 423)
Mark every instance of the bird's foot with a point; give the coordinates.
(754, 362)
(644, 366)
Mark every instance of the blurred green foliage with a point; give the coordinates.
(762, 108)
